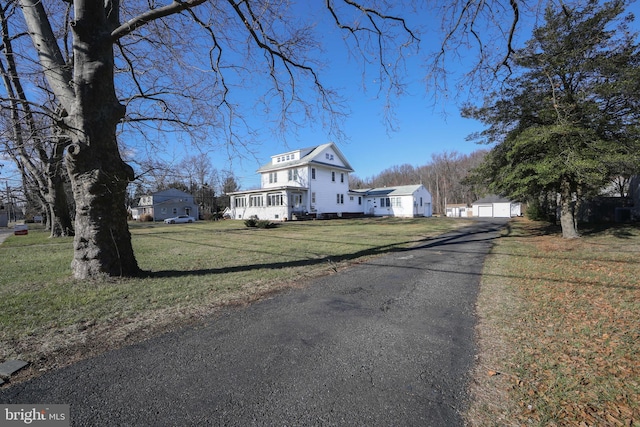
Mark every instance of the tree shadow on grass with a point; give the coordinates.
(448, 239)
(309, 262)
(619, 230)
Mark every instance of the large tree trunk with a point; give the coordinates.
(99, 176)
(60, 221)
(567, 212)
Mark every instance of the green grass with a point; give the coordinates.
(192, 269)
(559, 329)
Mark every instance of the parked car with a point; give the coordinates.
(180, 219)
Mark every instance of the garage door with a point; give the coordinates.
(484, 211)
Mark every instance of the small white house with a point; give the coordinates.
(166, 204)
(458, 210)
(406, 201)
(314, 182)
(494, 206)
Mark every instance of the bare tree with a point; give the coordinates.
(34, 142)
(244, 36)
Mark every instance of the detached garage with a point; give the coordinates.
(495, 207)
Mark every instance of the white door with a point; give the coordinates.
(485, 211)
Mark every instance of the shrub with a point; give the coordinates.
(264, 223)
(258, 223)
(251, 222)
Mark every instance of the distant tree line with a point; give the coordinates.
(444, 176)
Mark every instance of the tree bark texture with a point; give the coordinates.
(567, 212)
(59, 214)
(99, 176)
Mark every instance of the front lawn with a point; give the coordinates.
(49, 320)
(559, 329)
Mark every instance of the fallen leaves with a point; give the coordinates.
(576, 334)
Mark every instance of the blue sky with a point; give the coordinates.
(422, 126)
(371, 147)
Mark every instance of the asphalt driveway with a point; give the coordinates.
(389, 342)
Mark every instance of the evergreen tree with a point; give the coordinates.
(566, 121)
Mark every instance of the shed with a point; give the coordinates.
(458, 210)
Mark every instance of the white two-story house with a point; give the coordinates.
(315, 182)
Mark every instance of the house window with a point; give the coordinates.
(256, 201)
(359, 200)
(420, 201)
(274, 200)
(273, 177)
(396, 202)
(293, 174)
(385, 202)
(340, 199)
(313, 197)
(241, 202)
(341, 177)
(333, 176)
(313, 173)
(175, 211)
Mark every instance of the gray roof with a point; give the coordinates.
(401, 190)
(492, 198)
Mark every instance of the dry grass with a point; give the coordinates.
(559, 330)
(51, 320)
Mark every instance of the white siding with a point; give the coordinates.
(502, 210)
(326, 190)
(483, 210)
(404, 205)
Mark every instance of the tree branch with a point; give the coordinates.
(56, 69)
(131, 25)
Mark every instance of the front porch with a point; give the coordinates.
(284, 204)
